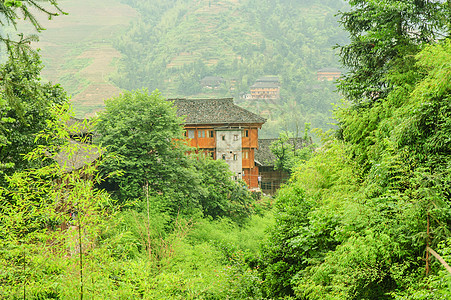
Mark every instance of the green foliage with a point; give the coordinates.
(153, 166)
(355, 220)
(24, 110)
(177, 43)
(436, 286)
(288, 151)
(383, 34)
(200, 259)
(143, 130)
(50, 220)
(230, 237)
(307, 217)
(357, 269)
(222, 196)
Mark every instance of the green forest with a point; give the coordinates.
(174, 44)
(103, 47)
(119, 207)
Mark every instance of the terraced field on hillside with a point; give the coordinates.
(77, 50)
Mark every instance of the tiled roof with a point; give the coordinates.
(214, 111)
(268, 79)
(78, 156)
(264, 155)
(333, 70)
(261, 84)
(78, 126)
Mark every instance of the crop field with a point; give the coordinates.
(77, 50)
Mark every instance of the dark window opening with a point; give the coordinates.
(266, 185)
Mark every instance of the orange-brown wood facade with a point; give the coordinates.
(251, 177)
(265, 93)
(327, 76)
(203, 137)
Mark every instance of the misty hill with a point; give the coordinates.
(77, 49)
(104, 46)
(175, 44)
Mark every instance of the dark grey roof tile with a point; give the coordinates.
(214, 111)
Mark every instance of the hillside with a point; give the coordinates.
(102, 47)
(177, 43)
(77, 50)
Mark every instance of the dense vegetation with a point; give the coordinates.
(177, 43)
(359, 219)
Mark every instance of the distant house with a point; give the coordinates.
(233, 83)
(270, 79)
(270, 178)
(224, 131)
(245, 96)
(212, 82)
(78, 157)
(80, 151)
(328, 74)
(80, 130)
(266, 88)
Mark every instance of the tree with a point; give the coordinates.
(222, 196)
(290, 151)
(143, 129)
(346, 230)
(155, 166)
(13, 10)
(307, 215)
(384, 35)
(24, 100)
(24, 110)
(50, 218)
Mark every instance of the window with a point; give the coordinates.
(223, 156)
(191, 133)
(201, 133)
(235, 137)
(266, 185)
(212, 133)
(266, 169)
(246, 154)
(235, 157)
(223, 137)
(246, 133)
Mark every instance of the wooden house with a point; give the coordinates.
(266, 88)
(79, 152)
(225, 131)
(328, 74)
(212, 82)
(270, 178)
